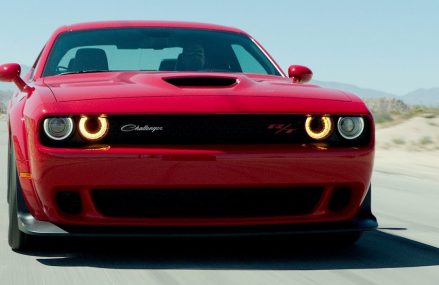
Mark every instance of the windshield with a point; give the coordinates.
(156, 49)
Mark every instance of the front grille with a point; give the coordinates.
(209, 203)
(211, 129)
(144, 130)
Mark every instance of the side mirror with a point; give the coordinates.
(10, 72)
(299, 73)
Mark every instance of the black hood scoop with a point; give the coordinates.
(201, 81)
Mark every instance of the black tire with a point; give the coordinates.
(16, 238)
(9, 172)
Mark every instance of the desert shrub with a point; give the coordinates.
(398, 141)
(425, 140)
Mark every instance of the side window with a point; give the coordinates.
(247, 61)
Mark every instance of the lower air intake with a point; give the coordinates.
(69, 202)
(209, 203)
(340, 199)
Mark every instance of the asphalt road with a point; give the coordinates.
(404, 251)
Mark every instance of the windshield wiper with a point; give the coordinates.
(82, 71)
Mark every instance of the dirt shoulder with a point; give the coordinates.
(409, 148)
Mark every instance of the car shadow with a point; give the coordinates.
(374, 250)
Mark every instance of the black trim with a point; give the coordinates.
(214, 129)
(201, 81)
(356, 225)
(364, 221)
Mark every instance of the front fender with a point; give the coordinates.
(17, 130)
(18, 136)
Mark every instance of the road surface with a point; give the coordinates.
(404, 251)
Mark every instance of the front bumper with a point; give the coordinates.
(202, 167)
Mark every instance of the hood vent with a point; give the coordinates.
(201, 81)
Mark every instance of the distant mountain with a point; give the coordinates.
(364, 93)
(5, 95)
(7, 86)
(384, 107)
(426, 97)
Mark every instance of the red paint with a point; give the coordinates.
(10, 72)
(116, 85)
(175, 166)
(228, 166)
(299, 73)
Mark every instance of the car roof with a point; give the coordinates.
(171, 24)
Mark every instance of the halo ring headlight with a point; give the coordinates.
(318, 127)
(97, 130)
(58, 128)
(350, 127)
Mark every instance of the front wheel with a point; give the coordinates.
(16, 238)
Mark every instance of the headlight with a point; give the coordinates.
(58, 128)
(93, 128)
(350, 127)
(318, 127)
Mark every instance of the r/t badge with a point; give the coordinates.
(281, 128)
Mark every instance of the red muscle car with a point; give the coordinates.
(147, 128)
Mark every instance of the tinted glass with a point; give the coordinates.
(156, 49)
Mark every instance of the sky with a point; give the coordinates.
(387, 45)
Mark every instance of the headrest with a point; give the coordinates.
(90, 59)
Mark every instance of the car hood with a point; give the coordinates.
(117, 85)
